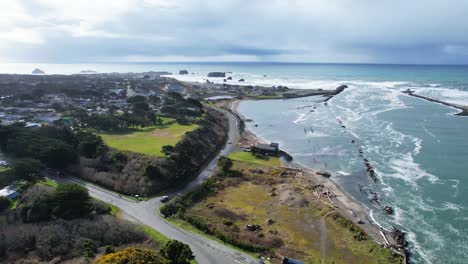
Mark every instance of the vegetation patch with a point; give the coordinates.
(256, 159)
(155, 235)
(273, 211)
(148, 140)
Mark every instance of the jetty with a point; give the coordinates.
(464, 109)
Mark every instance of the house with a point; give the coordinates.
(10, 191)
(266, 149)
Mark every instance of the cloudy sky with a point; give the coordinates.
(360, 31)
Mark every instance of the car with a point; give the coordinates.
(164, 199)
(229, 142)
(4, 163)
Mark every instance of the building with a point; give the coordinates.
(266, 149)
(10, 192)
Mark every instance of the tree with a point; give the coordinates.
(4, 203)
(71, 201)
(168, 150)
(90, 145)
(140, 107)
(136, 99)
(28, 169)
(177, 252)
(225, 163)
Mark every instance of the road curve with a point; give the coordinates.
(206, 251)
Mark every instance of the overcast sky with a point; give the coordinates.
(360, 31)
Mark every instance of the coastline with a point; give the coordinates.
(340, 200)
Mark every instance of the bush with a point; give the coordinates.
(225, 163)
(64, 238)
(89, 249)
(5, 203)
(177, 252)
(132, 256)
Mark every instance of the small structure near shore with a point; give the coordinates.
(266, 149)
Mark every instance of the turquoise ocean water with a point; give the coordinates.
(419, 149)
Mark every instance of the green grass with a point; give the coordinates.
(49, 182)
(248, 157)
(187, 226)
(3, 169)
(148, 140)
(14, 203)
(158, 237)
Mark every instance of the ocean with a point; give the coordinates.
(419, 149)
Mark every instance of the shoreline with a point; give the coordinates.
(341, 201)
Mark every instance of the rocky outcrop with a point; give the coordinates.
(38, 71)
(183, 72)
(241, 80)
(217, 74)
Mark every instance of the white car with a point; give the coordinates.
(4, 163)
(164, 199)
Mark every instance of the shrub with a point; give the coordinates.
(177, 252)
(109, 250)
(4, 203)
(133, 255)
(89, 249)
(225, 163)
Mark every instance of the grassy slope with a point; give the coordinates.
(306, 233)
(248, 157)
(148, 140)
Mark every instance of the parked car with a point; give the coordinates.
(4, 163)
(164, 199)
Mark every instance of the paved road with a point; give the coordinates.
(206, 251)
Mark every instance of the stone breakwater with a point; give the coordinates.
(464, 109)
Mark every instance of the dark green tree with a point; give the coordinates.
(90, 145)
(5, 203)
(71, 201)
(28, 169)
(225, 163)
(177, 252)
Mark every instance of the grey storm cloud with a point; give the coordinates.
(418, 31)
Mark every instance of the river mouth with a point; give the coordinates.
(416, 149)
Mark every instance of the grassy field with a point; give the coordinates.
(49, 182)
(148, 140)
(248, 157)
(292, 222)
(3, 169)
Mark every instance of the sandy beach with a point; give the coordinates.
(341, 201)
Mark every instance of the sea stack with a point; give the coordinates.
(38, 71)
(183, 72)
(217, 74)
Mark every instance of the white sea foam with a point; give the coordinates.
(455, 186)
(451, 206)
(301, 118)
(406, 169)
